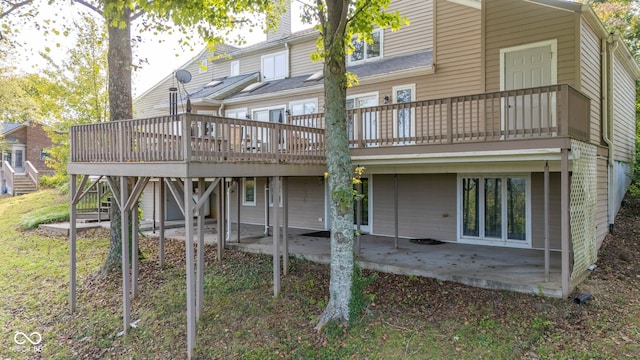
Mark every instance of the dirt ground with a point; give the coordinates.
(607, 326)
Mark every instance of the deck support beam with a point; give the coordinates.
(358, 246)
(191, 311)
(240, 191)
(275, 187)
(395, 210)
(564, 220)
(547, 275)
(72, 246)
(285, 226)
(124, 232)
(266, 208)
(200, 263)
(134, 250)
(162, 219)
(220, 218)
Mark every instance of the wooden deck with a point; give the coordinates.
(199, 145)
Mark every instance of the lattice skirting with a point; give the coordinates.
(583, 204)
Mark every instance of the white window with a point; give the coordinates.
(236, 113)
(303, 107)
(208, 112)
(495, 209)
(235, 68)
(249, 191)
(275, 66)
(202, 66)
(363, 51)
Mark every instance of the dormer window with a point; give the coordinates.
(275, 66)
(362, 51)
(235, 68)
(202, 66)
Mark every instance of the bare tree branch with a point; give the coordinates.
(355, 13)
(90, 6)
(14, 6)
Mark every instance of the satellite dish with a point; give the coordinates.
(183, 76)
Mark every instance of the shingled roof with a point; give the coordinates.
(363, 71)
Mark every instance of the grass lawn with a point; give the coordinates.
(410, 317)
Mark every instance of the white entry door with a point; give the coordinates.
(522, 67)
(365, 122)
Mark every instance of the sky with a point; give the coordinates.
(163, 53)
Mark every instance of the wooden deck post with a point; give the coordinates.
(395, 209)
(134, 250)
(188, 219)
(220, 218)
(239, 200)
(275, 184)
(72, 246)
(266, 208)
(547, 276)
(564, 220)
(124, 230)
(358, 245)
(162, 216)
(285, 225)
(200, 264)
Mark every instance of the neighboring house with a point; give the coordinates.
(22, 156)
(505, 123)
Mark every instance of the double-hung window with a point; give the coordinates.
(495, 209)
(275, 66)
(202, 66)
(234, 68)
(249, 191)
(364, 51)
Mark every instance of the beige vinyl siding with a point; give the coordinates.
(143, 106)
(624, 95)
(590, 74)
(602, 217)
(457, 53)
(300, 60)
(147, 202)
(537, 210)
(200, 77)
(306, 204)
(512, 23)
(416, 37)
(426, 203)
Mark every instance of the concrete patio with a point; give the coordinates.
(520, 270)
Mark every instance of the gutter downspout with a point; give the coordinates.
(607, 119)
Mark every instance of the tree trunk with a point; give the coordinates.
(339, 165)
(120, 108)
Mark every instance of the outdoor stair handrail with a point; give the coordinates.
(32, 173)
(9, 179)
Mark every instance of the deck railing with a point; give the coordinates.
(541, 112)
(190, 137)
(547, 111)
